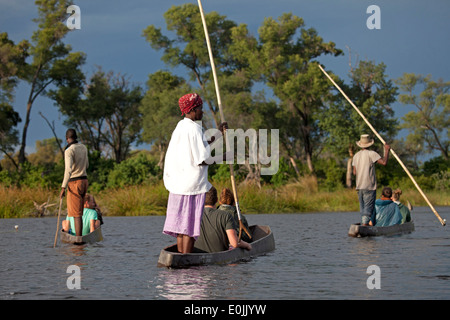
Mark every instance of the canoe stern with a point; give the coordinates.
(94, 236)
(356, 230)
(264, 242)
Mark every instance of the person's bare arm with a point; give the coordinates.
(222, 127)
(226, 156)
(233, 240)
(383, 161)
(66, 225)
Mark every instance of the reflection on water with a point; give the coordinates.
(314, 259)
(190, 283)
(365, 250)
(204, 282)
(74, 250)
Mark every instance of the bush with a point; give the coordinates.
(49, 176)
(285, 173)
(442, 180)
(221, 172)
(330, 175)
(7, 178)
(425, 183)
(98, 171)
(335, 176)
(133, 171)
(435, 165)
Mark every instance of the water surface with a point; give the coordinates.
(314, 259)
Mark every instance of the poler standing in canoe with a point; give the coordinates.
(75, 179)
(366, 181)
(186, 174)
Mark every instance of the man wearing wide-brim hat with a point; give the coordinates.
(366, 182)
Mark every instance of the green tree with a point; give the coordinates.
(373, 93)
(52, 62)
(85, 107)
(47, 153)
(269, 114)
(285, 61)
(8, 134)
(188, 49)
(160, 110)
(123, 121)
(106, 114)
(229, 44)
(12, 58)
(429, 124)
(133, 171)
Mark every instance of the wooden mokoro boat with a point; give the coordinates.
(263, 242)
(357, 230)
(92, 237)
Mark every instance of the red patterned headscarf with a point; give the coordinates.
(188, 102)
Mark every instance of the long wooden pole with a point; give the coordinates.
(222, 117)
(57, 223)
(442, 221)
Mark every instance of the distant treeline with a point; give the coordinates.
(141, 168)
(317, 127)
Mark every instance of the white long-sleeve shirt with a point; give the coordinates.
(188, 148)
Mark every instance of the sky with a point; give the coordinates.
(413, 38)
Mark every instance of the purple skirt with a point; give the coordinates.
(184, 215)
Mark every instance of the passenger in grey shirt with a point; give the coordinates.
(217, 228)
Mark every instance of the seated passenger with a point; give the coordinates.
(227, 204)
(94, 206)
(387, 212)
(406, 214)
(217, 231)
(89, 218)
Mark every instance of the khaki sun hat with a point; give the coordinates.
(365, 141)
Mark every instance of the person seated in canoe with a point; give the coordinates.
(404, 210)
(387, 211)
(227, 203)
(90, 218)
(95, 206)
(218, 228)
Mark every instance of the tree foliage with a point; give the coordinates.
(188, 49)
(52, 62)
(12, 63)
(286, 62)
(160, 110)
(8, 134)
(267, 81)
(106, 114)
(373, 93)
(428, 125)
(47, 153)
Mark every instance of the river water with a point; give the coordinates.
(314, 259)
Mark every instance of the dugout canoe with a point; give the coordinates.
(92, 237)
(263, 242)
(357, 230)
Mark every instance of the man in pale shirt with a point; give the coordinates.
(366, 181)
(75, 179)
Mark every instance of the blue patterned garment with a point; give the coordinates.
(387, 213)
